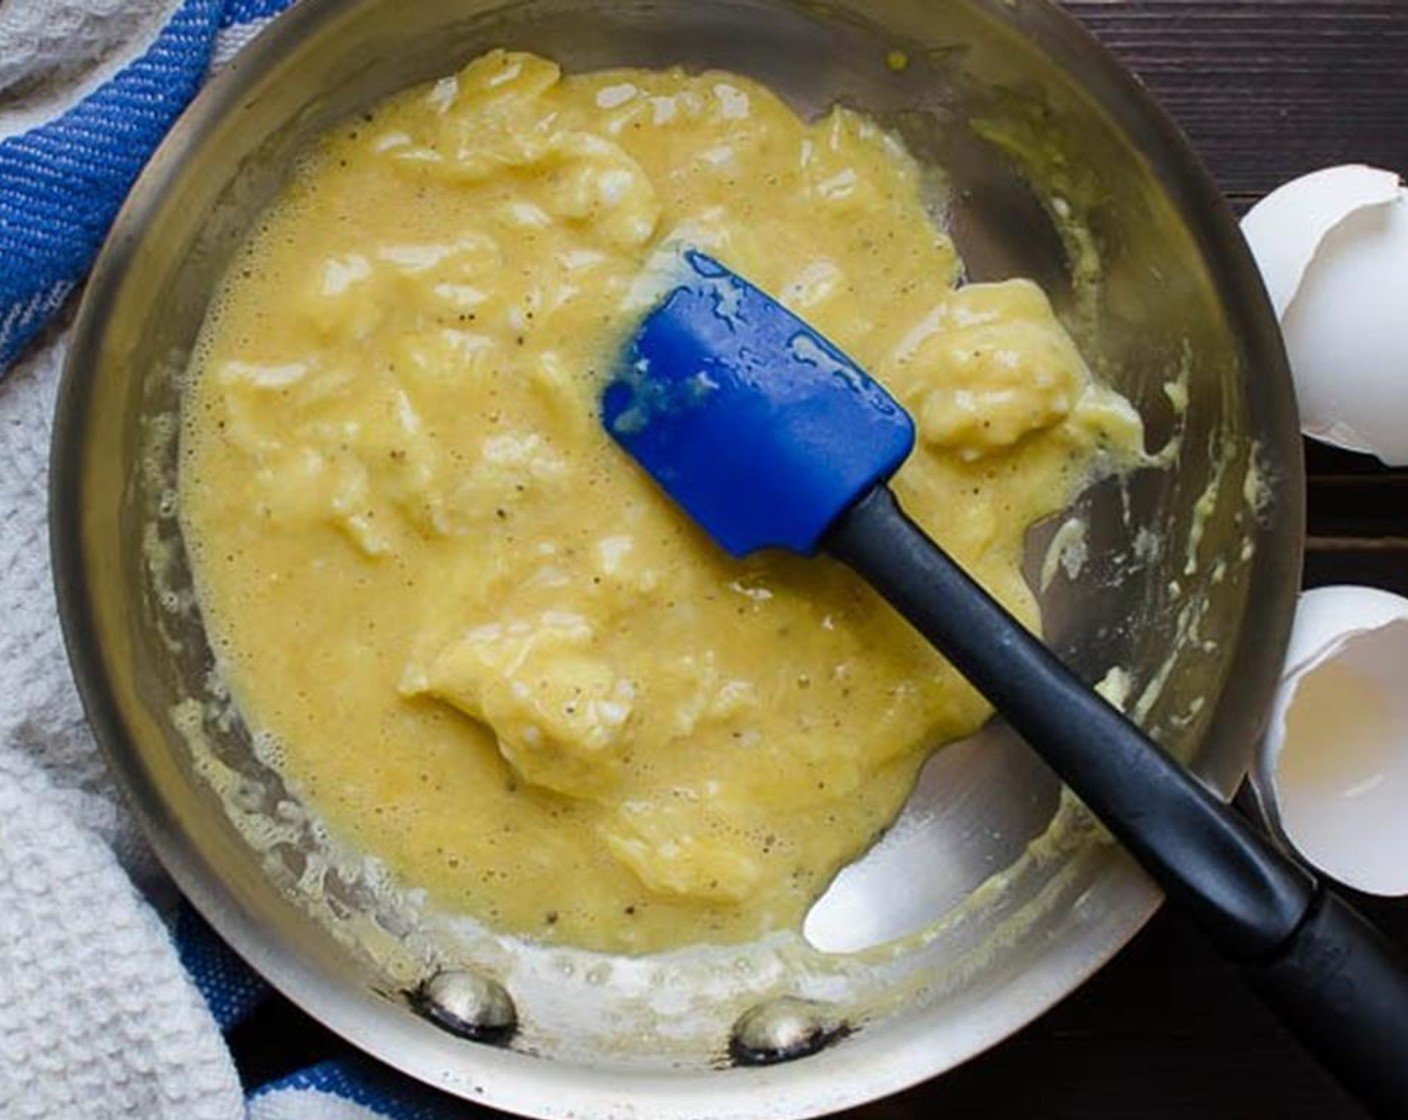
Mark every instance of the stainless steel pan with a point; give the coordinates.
(1050, 161)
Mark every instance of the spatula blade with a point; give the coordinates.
(756, 424)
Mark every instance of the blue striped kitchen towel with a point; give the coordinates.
(62, 179)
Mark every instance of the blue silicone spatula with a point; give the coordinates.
(770, 437)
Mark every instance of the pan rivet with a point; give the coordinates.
(783, 1029)
(467, 1004)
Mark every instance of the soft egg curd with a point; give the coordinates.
(483, 647)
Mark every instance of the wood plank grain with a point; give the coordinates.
(1269, 89)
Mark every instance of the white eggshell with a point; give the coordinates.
(1325, 616)
(1286, 227)
(1333, 250)
(1333, 767)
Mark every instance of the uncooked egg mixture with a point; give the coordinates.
(485, 649)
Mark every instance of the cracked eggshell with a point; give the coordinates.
(1332, 771)
(1332, 248)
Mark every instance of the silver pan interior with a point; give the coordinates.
(1050, 162)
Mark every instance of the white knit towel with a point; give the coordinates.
(98, 1019)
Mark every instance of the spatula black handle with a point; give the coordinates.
(1238, 886)
(1342, 988)
(1262, 910)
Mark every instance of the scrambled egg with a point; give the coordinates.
(489, 651)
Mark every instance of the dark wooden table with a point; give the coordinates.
(1267, 89)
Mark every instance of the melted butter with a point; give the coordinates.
(487, 650)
